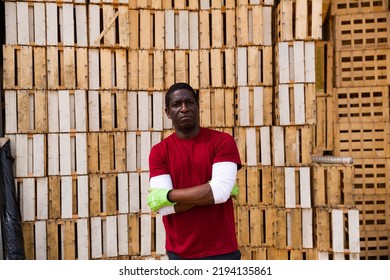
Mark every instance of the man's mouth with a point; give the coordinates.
(186, 118)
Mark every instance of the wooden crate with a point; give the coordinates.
(255, 226)
(211, 69)
(107, 110)
(26, 23)
(295, 62)
(149, 23)
(288, 147)
(292, 187)
(333, 185)
(64, 197)
(374, 229)
(181, 29)
(254, 66)
(115, 236)
(26, 111)
(66, 153)
(362, 140)
(24, 67)
(102, 77)
(67, 111)
(306, 16)
(254, 145)
(371, 176)
(362, 104)
(255, 185)
(61, 67)
(374, 211)
(114, 29)
(145, 111)
(254, 106)
(106, 152)
(375, 245)
(292, 229)
(341, 7)
(138, 145)
(182, 66)
(362, 31)
(362, 68)
(217, 107)
(217, 28)
(254, 25)
(295, 104)
(56, 239)
(337, 232)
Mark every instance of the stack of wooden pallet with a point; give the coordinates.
(362, 113)
(317, 196)
(84, 89)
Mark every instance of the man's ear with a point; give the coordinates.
(167, 113)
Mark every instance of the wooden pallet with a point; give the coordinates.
(254, 145)
(333, 185)
(254, 66)
(367, 140)
(371, 176)
(337, 232)
(341, 7)
(362, 31)
(295, 104)
(296, 62)
(217, 107)
(267, 145)
(362, 104)
(292, 187)
(300, 20)
(254, 25)
(216, 28)
(255, 185)
(375, 245)
(253, 106)
(362, 67)
(212, 70)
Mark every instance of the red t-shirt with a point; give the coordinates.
(203, 230)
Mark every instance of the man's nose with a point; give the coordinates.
(184, 107)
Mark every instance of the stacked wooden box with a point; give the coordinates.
(81, 127)
(361, 94)
(84, 89)
(317, 197)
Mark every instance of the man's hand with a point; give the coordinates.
(158, 198)
(235, 191)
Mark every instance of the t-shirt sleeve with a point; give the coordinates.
(226, 150)
(157, 162)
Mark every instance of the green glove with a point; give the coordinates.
(158, 198)
(235, 191)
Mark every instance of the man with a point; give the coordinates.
(192, 175)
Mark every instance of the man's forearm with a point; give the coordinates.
(195, 196)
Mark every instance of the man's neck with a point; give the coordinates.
(188, 134)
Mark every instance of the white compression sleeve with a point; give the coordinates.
(163, 182)
(222, 180)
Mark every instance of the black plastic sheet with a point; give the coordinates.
(11, 224)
